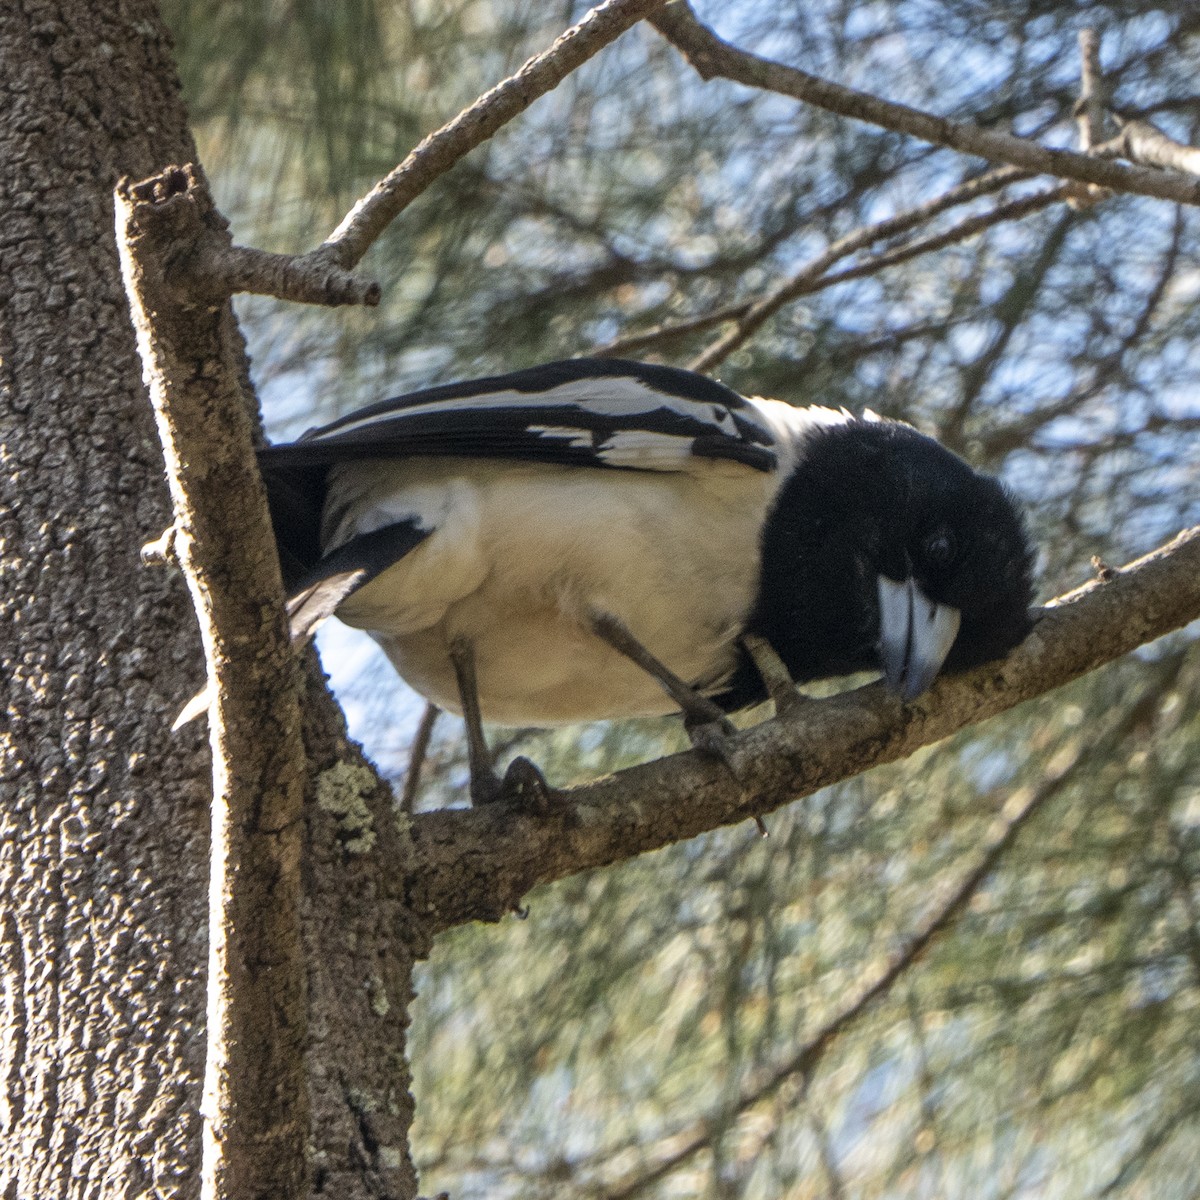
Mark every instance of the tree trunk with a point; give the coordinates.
(104, 813)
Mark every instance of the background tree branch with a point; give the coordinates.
(713, 58)
(475, 124)
(324, 275)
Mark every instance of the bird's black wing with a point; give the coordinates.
(317, 593)
(579, 412)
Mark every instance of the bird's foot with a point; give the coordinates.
(526, 789)
(523, 787)
(777, 679)
(486, 788)
(715, 738)
(713, 735)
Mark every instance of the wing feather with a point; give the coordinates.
(579, 412)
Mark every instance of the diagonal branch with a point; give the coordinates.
(813, 276)
(474, 864)
(712, 57)
(442, 149)
(324, 275)
(816, 275)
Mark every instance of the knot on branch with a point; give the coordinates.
(173, 215)
(172, 220)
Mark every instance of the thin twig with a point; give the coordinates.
(416, 757)
(968, 227)
(712, 57)
(1089, 109)
(812, 276)
(963, 193)
(668, 332)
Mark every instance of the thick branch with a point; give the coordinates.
(442, 149)
(712, 57)
(479, 863)
(256, 1101)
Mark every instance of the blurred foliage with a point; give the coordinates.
(631, 1037)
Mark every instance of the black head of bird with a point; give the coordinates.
(889, 552)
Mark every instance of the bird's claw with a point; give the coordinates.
(713, 737)
(523, 787)
(526, 789)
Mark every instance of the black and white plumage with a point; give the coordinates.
(508, 514)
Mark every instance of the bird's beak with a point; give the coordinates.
(915, 635)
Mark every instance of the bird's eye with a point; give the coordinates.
(939, 548)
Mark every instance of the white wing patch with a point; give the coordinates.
(581, 439)
(649, 451)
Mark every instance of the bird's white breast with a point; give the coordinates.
(521, 553)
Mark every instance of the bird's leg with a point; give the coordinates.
(706, 723)
(777, 679)
(485, 785)
(523, 783)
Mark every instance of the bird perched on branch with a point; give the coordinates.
(596, 538)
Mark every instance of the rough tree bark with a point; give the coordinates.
(103, 813)
(103, 816)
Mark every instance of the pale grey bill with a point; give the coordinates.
(915, 635)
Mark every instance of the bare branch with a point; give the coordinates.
(302, 278)
(256, 1124)
(964, 193)
(812, 277)
(1142, 142)
(442, 149)
(482, 861)
(712, 57)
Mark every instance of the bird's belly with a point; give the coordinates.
(523, 556)
(545, 672)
